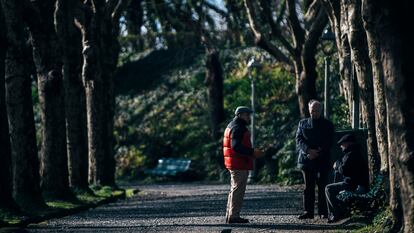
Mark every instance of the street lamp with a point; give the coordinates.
(253, 64)
(327, 35)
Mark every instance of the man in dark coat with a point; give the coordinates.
(314, 138)
(354, 169)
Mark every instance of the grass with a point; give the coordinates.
(62, 204)
(130, 192)
(379, 223)
(8, 217)
(60, 207)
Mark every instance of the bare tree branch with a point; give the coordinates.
(282, 12)
(215, 8)
(265, 5)
(311, 13)
(259, 38)
(298, 33)
(316, 29)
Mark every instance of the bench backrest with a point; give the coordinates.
(173, 164)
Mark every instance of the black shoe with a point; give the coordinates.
(306, 216)
(323, 216)
(238, 220)
(333, 219)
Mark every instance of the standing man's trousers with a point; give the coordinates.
(312, 178)
(236, 195)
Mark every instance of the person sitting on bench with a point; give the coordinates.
(354, 169)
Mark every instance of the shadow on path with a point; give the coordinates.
(189, 208)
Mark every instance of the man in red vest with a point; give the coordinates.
(238, 159)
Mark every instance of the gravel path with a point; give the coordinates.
(193, 208)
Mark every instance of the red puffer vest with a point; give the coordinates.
(232, 159)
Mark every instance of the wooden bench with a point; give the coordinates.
(365, 202)
(170, 167)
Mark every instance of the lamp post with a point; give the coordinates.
(355, 100)
(327, 36)
(251, 65)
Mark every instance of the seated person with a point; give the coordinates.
(338, 177)
(354, 169)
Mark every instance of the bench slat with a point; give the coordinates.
(170, 167)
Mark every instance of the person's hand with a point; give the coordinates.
(258, 153)
(336, 165)
(313, 154)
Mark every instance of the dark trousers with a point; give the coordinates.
(313, 178)
(335, 207)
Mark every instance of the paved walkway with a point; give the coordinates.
(193, 208)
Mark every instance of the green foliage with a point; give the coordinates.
(339, 111)
(287, 159)
(381, 223)
(168, 121)
(83, 199)
(107, 191)
(171, 119)
(62, 204)
(9, 217)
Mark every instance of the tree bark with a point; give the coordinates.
(134, 21)
(214, 81)
(99, 25)
(360, 57)
(370, 19)
(110, 53)
(75, 103)
(378, 84)
(234, 22)
(95, 101)
(306, 88)
(6, 186)
(26, 189)
(333, 9)
(396, 50)
(48, 60)
(400, 126)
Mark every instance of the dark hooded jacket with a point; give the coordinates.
(354, 167)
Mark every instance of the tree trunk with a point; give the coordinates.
(26, 189)
(111, 49)
(6, 186)
(134, 21)
(233, 22)
(378, 80)
(360, 57)
(387, 162)
(306, 88)
(95, 96)
(394, 195)
(100, 29)
(75, 103)
(400, 127)
(302, 52)
(134, 17)
(214, 81)
(396, 50)
(333, 8)
(47, 57)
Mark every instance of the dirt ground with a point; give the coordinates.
(195, 208)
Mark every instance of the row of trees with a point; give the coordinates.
(372, 46)
(372, 42)
(71, 48)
